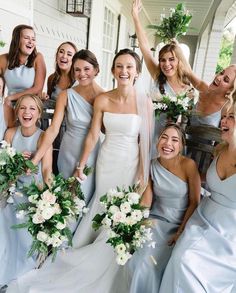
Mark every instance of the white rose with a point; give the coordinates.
(133, 197)
(121, 259)
(106, 222)
(41, 204)
(57, 209)
(4, 144)
(56, 240)
(120, 194)
(47, 213)
(42, 236)
(120, 248)
(119, 217)
(2, 162)
(146, 213)
(80, 204)
(137, 215)
(125, 207)
(130, 221)
(60, 225)
(49, 197)
(114, 209)
(11, 152)
(38, 218)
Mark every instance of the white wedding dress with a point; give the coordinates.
(90, 267)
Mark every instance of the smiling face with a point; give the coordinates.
(224, 81)
(64, 57)
(125, 70)
(84, 72)
(169, 144)
(28, 112)
(168, 64)
(27, 41)
(228, 125)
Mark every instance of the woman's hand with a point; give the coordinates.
(136, 8)
(79, 174)
(174, 238)
(8, 101)
(44, 96)
(27, 155)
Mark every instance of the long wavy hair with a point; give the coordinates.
(55, 77)
(14, 51)
(4, 83)
(177, 52)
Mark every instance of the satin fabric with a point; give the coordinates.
(211, 119)
(204, 259)
(170, 201)
(15, 244)
(90, 266)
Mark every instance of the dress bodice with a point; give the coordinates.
(220, 208)
(78, 113)
(22, 143)
(170, 198)
(19, 78)
(211, 119)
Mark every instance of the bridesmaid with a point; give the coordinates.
(173, 193)
(58, 81)
(6, 112)
(77, 105)
(23, 68)
(167, 72)
(204, 258)
(25, 138)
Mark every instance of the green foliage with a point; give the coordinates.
(2, 44)
(225, 53)
(175, 25)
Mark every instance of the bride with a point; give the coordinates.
(126, 115)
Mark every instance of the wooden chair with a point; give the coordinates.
(200, 143)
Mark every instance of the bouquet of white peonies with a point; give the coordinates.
(49, 211)
(12, 166)
(126, 221)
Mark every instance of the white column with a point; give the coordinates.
(233, 58)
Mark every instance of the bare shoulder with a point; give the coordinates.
(39, 59)
(103, 99)
(10, 134)
(189, 165)
(3, 63)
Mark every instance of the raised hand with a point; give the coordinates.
(136, 8)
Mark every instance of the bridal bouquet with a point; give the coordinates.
(172, 106)
(49, 211)
(12, 166)
(125, 220)
(173, 26)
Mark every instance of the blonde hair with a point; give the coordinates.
(37, 100)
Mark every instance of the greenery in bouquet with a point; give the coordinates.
(12, 166)
(48, 214)
(175, 25)
(126, 222)
(175, 106)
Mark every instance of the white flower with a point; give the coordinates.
(60, 225)
(4, 144)
(2, 162)
(58, 189)
(137, 215)
(85, 210)
(48, 197)
(38, 218)
(80, 204)
(106, 222)
(42, 236)
(21, 214)
(11, 152)
(57, 209)
(56, 240)
(125, 207)
(173, 99)
(121, 259)
(112, 234)
(146, 213)
(114, 209)
(130, 221)
(12, 189)
(119, 217)
(133, 197)
(120, 194)
(120, 248)
(162, 16)
(33, 198)
(111, 193)
(43, 204)
(47, 213)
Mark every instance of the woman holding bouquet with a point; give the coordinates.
(168, 71)
(76, 104)
(123, 158)
(25, 138)
(172, 195)
(204, 258)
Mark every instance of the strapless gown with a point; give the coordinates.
(204, 258)
(92, 268)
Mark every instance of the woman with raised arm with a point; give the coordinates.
(204, 258)
(168, 71)
(172, 195)
(23, 67)
(123, 159)
(25, 138)
(7, 117)
(76, 104)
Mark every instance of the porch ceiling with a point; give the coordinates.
(202, 11)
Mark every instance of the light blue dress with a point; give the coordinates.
(56, 91)
(170, 201)
(211, 119)
(15, 244)
(19, 78)
(204, 259)
(78, 117)
(3, 126)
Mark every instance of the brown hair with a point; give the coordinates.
(131, 53)
(37, 100)
(4, 83)
(177, 52)
(55, 77)
(85, 55)
(13, 55)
